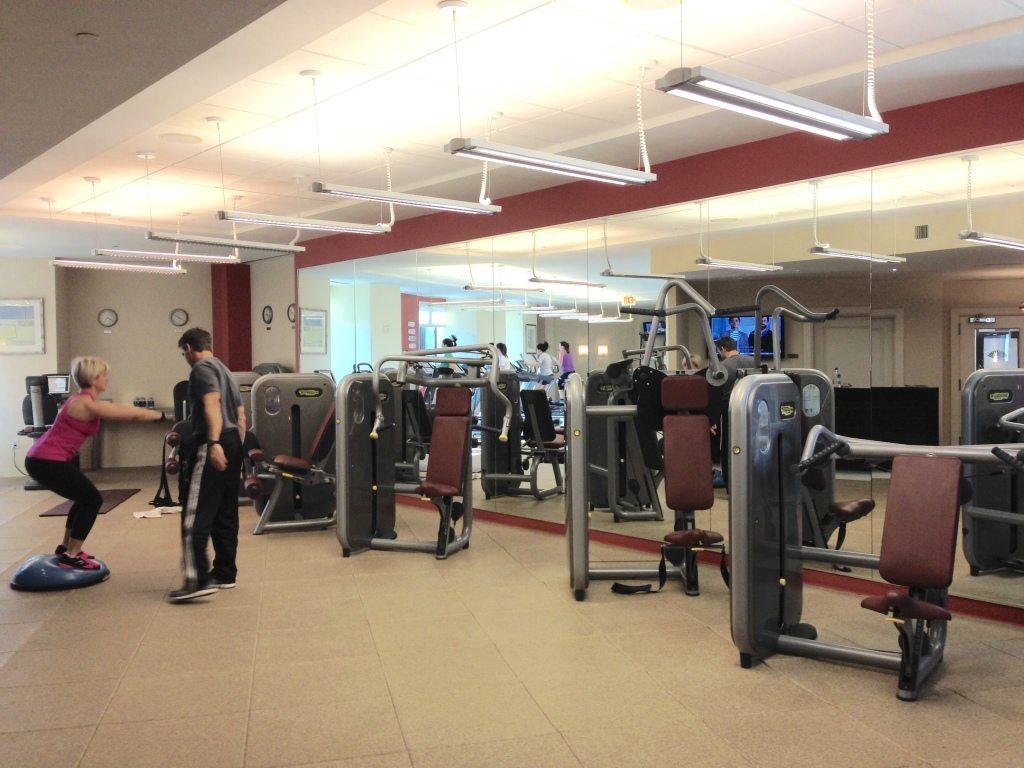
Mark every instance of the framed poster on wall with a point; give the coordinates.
(313, 331)
(530, 338)
(21, 327)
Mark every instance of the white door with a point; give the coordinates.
(844, 343)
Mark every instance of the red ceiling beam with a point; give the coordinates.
(983, 118)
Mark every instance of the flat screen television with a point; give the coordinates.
(647, 328)
(741, 328)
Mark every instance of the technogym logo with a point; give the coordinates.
(1000, 396)
(309, 392)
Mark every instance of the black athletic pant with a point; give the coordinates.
(67, 480)
(210, 513)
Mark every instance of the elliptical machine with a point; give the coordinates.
(39, 407)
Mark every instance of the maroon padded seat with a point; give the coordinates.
(558, 442)
(693, 538)
(903, 606)
(293, 463)
(449, 440)
(317, 451)
(688, 471)
(848, 511)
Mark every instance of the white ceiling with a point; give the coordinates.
(563, 74)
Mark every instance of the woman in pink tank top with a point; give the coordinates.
(50, 461)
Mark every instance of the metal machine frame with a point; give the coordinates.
(766, 535)
(991, 410)
(366, 500)
(317, 483)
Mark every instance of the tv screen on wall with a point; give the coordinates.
(741, 329)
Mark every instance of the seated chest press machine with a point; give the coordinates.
(366, 432)
(767, 542)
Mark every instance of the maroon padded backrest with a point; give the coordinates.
(453, 401)
(684, 393)
(448, 444)
(688, 471)
(921, 516)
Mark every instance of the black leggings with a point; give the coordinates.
(67, 480)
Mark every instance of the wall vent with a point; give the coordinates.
(921, 232)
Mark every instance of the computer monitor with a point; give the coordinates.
(58, 383)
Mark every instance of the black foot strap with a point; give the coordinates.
(723, 568)
(644, 589)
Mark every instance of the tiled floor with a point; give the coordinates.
(1004, 587)
(391, 659)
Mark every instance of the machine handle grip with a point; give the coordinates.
(833, 314)
(1014, 462)
(839, 447)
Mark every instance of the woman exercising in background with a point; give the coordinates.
(50, 461)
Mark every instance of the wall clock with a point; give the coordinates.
(291, 313)
(107, 318)
(268, 314)
(178, 317)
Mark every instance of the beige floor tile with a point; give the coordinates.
(334, 589)
(498, 711)
(44, 749)
(284, 737)
(318, 683)
(1006, 702)
(1001, 759)
(38, 707)
(65, 665)
(939, 726)
(161, 654)
(207, 618)
(27, 611)
(181, 694)
(816, 735)
(281, 646)
(418, 604)
(14, 636)
(976, 666)
(110, 627)
(648, 742)
(447, 634)
(548, 751)
(282, 613)
(393, 760)
(429, 669)
(200, 741)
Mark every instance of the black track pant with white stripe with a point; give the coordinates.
(210, 512)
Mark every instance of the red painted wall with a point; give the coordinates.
(956, 124)
(232, 315)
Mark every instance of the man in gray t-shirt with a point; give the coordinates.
(213, 466)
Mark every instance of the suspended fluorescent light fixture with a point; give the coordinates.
(296, 222)
(746, 266)
(749, 98)
(403, 198)
(755, 100)
(121, 266)
(546, 161)
(461, 303)
(605, 320)
(648, 276)
(824, 249)
(1001, 240)
(113, 253)
(556, 280)
(557, 313)
(973, 235)
(224, 242)
(499, 288)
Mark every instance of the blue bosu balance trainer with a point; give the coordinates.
(42, 573)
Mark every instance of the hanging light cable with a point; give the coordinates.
(824, 249)
(971, 234)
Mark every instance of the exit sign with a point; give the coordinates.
(629, 301)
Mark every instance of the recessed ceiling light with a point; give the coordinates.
(143, 154)
(453, 6)
(86, 37)
(181, 138)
